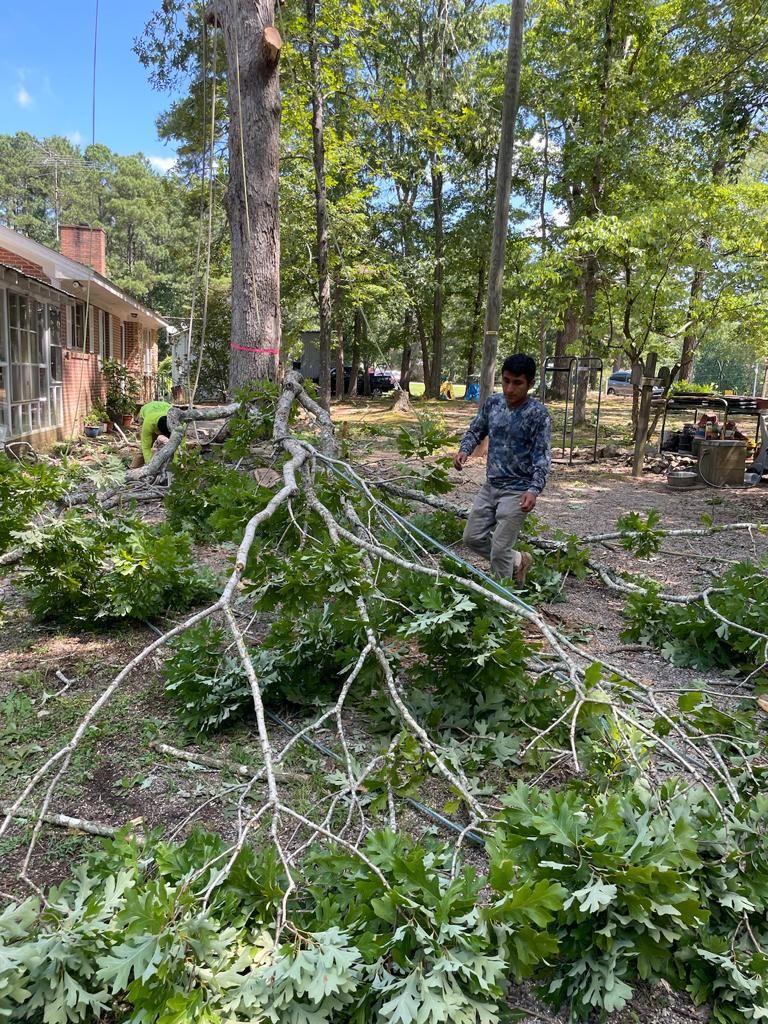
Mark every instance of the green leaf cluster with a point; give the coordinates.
(690, 635)
(659, 886)
(211, 500)
(84, 569)
(641, 535)
(206, 683)
(24, 491)
(396, 939)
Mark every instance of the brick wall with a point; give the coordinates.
(83, 385)
(12, 259)
(84, 244)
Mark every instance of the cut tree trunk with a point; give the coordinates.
(252, 47)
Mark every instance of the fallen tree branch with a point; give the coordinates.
(219, 763)
(92, 828)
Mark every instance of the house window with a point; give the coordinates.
(29, 364)
(35, 384)
(5, 415)
(55, 332)
(84, 316)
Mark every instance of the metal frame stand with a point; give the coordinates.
(575, 365)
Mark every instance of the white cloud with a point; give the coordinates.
(23, 98)
(162, 163)
(75, 138)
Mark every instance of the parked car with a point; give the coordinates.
(620, 383)
(381, 381)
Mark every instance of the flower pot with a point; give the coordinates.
(127, 420)
(109, 427)
(93, 431)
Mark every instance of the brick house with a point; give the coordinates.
(60, 317)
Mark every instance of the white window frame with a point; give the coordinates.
(102, 334)
(5, 420)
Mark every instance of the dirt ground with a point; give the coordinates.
(50, 678)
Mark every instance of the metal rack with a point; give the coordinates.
(573, 366)
(729, 405)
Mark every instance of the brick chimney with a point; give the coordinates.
(84, 244)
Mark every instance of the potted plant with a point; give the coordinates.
(123, 392)
(93, 424)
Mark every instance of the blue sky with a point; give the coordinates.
(46, 74)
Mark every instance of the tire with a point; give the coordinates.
(610, 391)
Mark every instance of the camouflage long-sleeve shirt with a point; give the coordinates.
(518, 443)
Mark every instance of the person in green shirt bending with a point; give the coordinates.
(154, 421)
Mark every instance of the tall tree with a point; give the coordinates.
(503, 188)
(321, 210)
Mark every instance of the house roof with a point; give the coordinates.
(80, 281)
(8, 269)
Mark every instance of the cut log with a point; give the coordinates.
(273, 44)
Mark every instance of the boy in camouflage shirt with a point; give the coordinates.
(518, 431)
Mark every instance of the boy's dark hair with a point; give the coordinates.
(162, 426)
(520, 365)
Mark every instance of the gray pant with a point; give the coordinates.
(493, 527)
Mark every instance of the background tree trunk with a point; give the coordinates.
(691, 336)
(405, 362)
(477, 319)
(432, 384)
(357, 336)
(252, 47)
(339, 392)
(503, 188)
(321, 212)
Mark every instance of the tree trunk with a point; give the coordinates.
(544, 247)
(356, 339)
(503, 188)
(339, 392)
(476, 325)
(321, 211)
(424, 345)
(582, 372)
(542, 358)
(691, 336)
(252, 46)
(564, 341)
(433, 384)
(405, 362)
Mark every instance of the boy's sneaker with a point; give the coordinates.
(523, 568)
